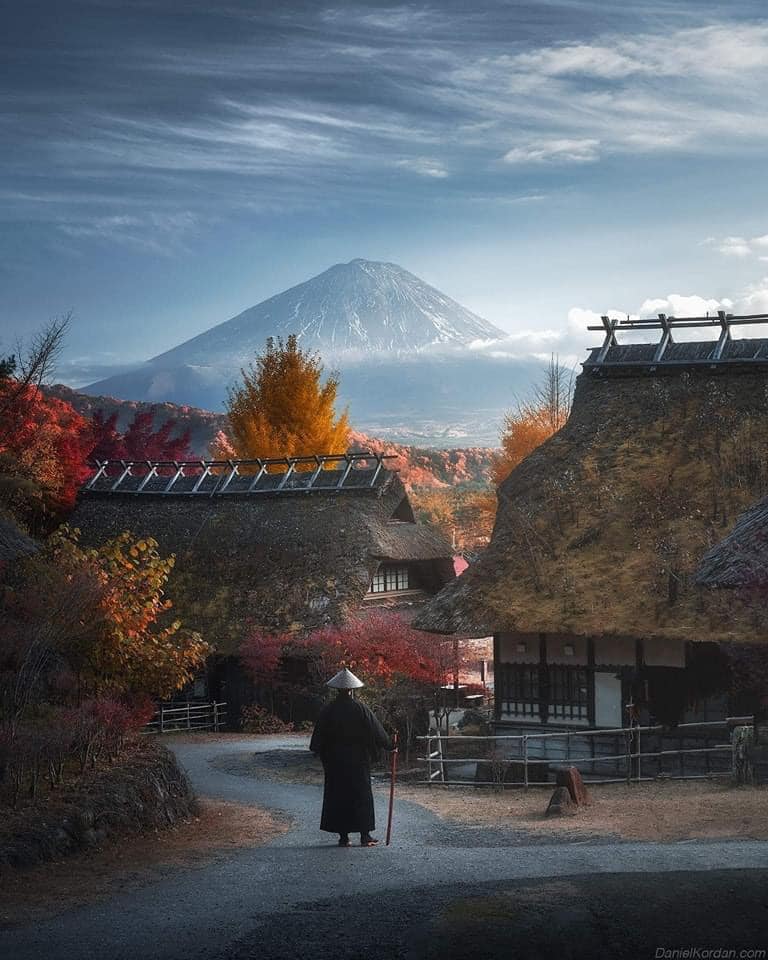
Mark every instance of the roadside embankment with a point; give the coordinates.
(145, 791)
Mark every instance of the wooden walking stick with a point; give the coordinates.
(393, 776)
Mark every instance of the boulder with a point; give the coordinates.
(570, 778)
(560, 803)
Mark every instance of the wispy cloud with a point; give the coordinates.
(344, 93)
(401, 19)
(555, 151)
(424, 166)
(152, 232)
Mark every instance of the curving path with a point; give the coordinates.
(205, 911)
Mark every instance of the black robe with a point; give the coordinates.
(347, 736)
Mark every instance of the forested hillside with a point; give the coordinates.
(419, 467)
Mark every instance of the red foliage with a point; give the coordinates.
(102, 725)
(48, 441)
(261, 653)
(381, 649)
(140, 441)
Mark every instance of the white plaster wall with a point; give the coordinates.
(557, 645)
(508, 644)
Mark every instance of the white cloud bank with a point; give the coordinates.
(741, 247)
(572, 340)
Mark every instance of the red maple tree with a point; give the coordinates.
(44, 445)
(141, 441)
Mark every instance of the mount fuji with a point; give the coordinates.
(360, 307)
(401, 346)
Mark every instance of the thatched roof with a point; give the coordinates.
(290, 561)
(14, 544)
(686, 352)
(601, 529)
(741, 558)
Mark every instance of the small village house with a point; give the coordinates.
(285, 546)
(592, 586)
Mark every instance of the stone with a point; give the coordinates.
(570, 778)
(560, 803)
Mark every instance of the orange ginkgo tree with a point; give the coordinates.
(283, 407)
(534, 420)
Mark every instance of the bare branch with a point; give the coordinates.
(37, 361)
(35, 364)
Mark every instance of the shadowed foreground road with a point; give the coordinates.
(435, 893)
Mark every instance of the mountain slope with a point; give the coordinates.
(400, 346)
(361, 306)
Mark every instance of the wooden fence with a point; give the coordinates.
(620, 755)
(170, 717)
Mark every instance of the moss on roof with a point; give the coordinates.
(601, 530)
(741, 558)
(287, 562)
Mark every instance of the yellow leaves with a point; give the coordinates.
(282, 408)
(127, 644)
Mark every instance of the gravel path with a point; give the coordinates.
(227, 908)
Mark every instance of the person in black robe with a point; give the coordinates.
(347, 737)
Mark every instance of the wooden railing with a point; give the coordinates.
(339, 473)
(631, 763)
(172, 717)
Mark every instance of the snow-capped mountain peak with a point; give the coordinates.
(364, 306)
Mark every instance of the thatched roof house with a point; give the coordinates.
(274, 552)
(600, 531)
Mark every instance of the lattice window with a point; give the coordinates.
(560, 692)
(519, 691)
(379, 582)
(568, 693)
(391, 577)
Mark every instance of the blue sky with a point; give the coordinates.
(167, 164)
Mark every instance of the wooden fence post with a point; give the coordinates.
(162, 719)
(188, 719)
(525, 761)
(215, 716)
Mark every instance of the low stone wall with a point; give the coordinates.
(147, 791)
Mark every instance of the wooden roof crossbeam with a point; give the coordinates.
(212, 478)
(724, 321)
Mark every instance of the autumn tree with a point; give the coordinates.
(86, 640)
(460, 513)
(23, 373)
(44, 449)
(283, 408)
(44, 442)
(406, 671)
(129, 645)
(535, 419)
(140, 440)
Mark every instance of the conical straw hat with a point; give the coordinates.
(345, 680)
